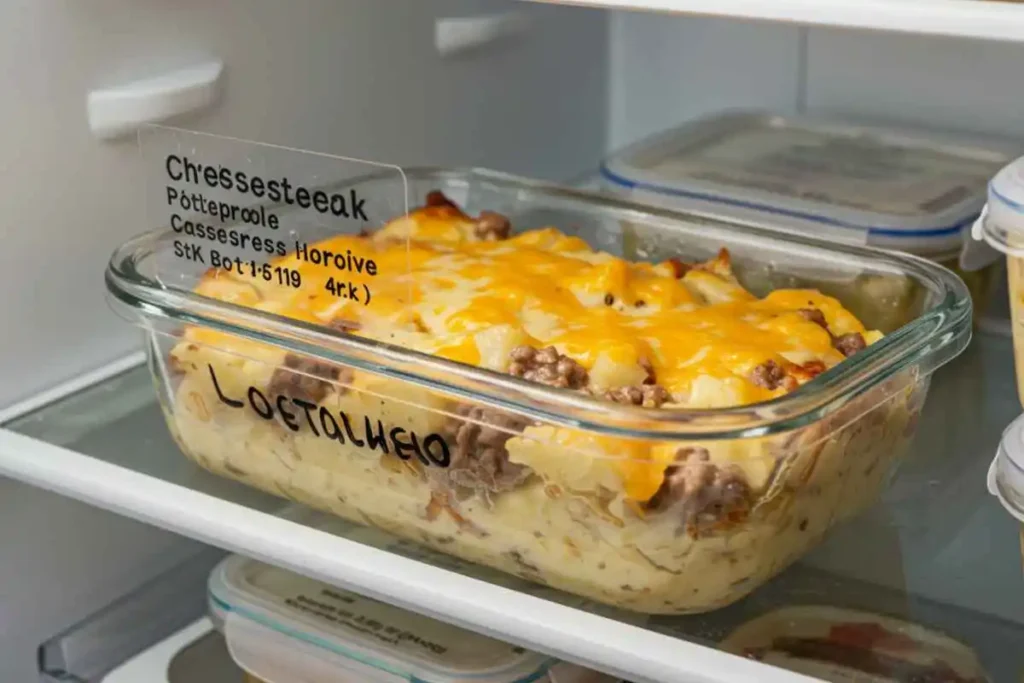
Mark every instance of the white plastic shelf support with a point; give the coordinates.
(1001, 20)
(120, 110)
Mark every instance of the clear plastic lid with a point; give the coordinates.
(849, 646)
(1001, 224)
(856, 183)
(1006, 474)
(284, 628)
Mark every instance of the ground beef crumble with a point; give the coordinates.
(306, 378)
(491, 226)
(479, 459)
(679, 268)
(438, 198)
(849, 344)
(813, 315)
(770, 375)
(705, 493)
(547, 366)
(846, 344)
(647, 395)
(478, 435)
(810, 369)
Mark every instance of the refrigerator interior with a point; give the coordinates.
(351, 77)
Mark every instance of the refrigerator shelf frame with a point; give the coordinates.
(998, 20)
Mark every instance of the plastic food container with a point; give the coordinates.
(863, 183)
(1002, 227)
(579, 511)
(848, 646)
(282, 627)
(1006, 474)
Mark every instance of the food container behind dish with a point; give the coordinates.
(845, 646)
(1006, 474)
(893, 187)
(392, 438)
(1001, 226)
(282, 627)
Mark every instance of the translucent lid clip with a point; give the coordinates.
(1006, 473)
(1001, 223)
(977, 253)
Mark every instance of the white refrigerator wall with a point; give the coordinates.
(950, 82)
(667, 69)
(354, 77)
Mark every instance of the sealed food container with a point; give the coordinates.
(1006, 474)
(849, 646)
(1002, 227)
(282, 627)
(863, 183)
(662, 436)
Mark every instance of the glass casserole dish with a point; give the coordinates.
(656, 509)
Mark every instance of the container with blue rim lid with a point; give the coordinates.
(282, 627)
(1001, 229)
(894, 187)
(1002, 222)
(1006, 473)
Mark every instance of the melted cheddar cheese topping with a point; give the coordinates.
(438, 288)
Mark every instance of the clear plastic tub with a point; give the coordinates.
(1001, 225)
(281, 627)
(894, 187)
(683, 508)
(1006, 474)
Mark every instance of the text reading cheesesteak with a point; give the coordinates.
(232, 225)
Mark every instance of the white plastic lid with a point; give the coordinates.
(286, 628)
(1001, 224)
(1006, 474)
(914, 190)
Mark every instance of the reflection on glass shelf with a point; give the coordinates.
(938, 550)
(119, 421)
